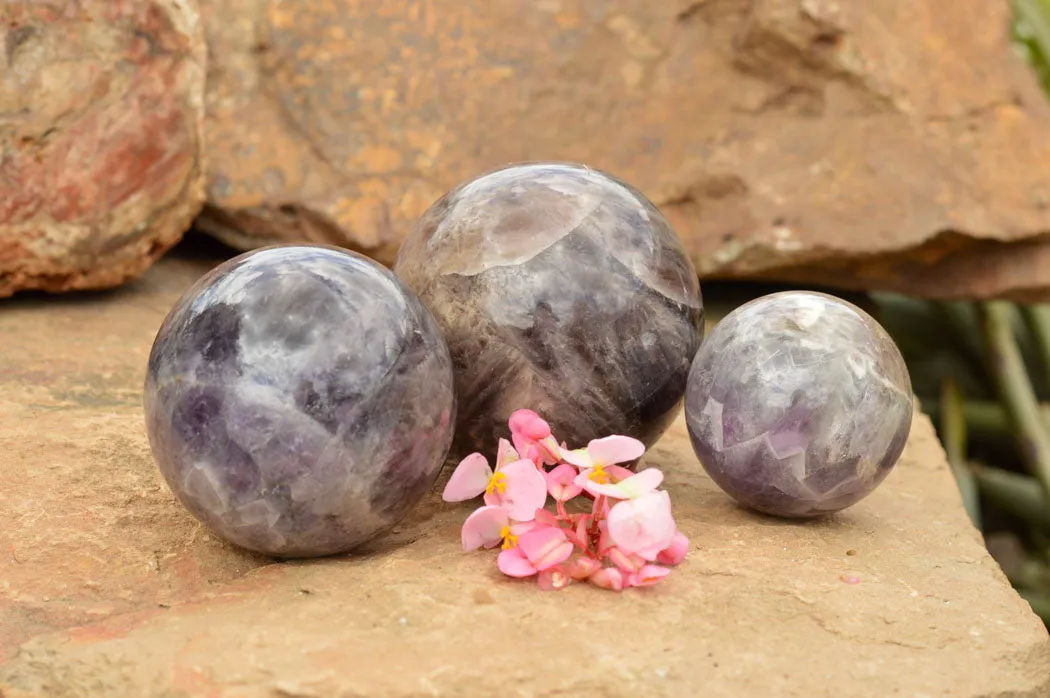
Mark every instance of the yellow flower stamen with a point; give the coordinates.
(509, 539)
(598, 475)
(497, 483)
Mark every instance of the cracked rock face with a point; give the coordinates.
(562, 290)
(750, 124)
(798, 404)
(299, 400)
(101, 138)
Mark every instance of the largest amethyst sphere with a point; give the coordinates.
(798, 404)
(299, 400)
(561, 290)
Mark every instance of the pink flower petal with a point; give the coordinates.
(521, 445)
(517, 529)
(589, 485)
(545, 547)
(628, 564)
(558, 555)
(560, 483)
(647, 576)
(549, 450)
(493, 498)
(583, 567)
(618, 473)
(641, 484)
(505, 454)
(469, 479)
(526, 490)
(535, 455)
(513, 563)
(610, 490)
(644, 523)
(607, 578)
(675, 552)
(554, 578)
(631, 487)
(651, 552)
(528, 424)
(546, 518)
(484, 528)
(578, 457)
(615, 449)
(582, 524)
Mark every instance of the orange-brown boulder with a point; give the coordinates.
(858, 143)
(101, 136)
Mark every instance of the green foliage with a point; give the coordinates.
(1031, 35)
(982, 371)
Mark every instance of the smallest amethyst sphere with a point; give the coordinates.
(798, 404)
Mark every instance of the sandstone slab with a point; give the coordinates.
(860, 143)
(109, 587)
(101, 136)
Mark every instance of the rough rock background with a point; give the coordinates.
(108, 587)
(860, 143)
(101, 136)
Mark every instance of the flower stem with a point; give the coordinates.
(575, 540)
(953, 432)
(985, 420)
(1018, 494)
(599, 507)
(1015, 390)
(1037, 317)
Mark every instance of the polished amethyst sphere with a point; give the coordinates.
(299, 400)
(798, 404)
(561, 290)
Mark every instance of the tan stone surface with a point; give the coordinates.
(109, 588)
(862, 143)
(101, 133)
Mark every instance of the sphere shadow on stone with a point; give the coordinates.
(299, 400)
(750, 517)
(562, 290)
(798, 404)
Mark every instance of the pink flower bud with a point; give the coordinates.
(583, 567)
(607, 578)
(554, 578)
(529, 424)
(647, 576)
(675, 552)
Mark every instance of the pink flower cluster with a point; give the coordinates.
(624, 537)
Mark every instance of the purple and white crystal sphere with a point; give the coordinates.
(299, 400)
(798, 404)
(562, 290)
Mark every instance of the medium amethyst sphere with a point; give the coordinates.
(561, 290)
(299, 400)
(798, 404)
